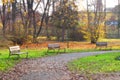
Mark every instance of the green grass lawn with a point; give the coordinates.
(103, 63)
(6, 63)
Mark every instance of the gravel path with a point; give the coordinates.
(50, 68)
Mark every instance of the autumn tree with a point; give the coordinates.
(19, 18)
(95, 16)
(65, 18)
(3, 15)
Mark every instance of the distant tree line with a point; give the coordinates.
(23, 19)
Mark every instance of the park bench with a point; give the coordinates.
(101, 44)
(15, 50)
(54, 46)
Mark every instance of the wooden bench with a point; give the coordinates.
(15, 50)
(54, 46)
(101, 44)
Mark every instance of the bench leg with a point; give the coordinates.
(18, 56)
(50, 49)
(54, 50)
(27, 55)
(58, 51)
(64, 50)
(9, 56)
(47, 50)
(111, 48)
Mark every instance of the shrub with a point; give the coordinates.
(76, 36)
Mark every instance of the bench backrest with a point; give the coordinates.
(14, 49)
(55, 45)
(101, 44)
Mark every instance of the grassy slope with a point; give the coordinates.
(109, 62)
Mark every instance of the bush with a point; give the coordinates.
(17, 40)
(76, 36)
(53, 38)
(42, 38)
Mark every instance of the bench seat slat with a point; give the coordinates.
(14, 48)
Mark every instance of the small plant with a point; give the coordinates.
(117, 58)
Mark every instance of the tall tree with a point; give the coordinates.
(24, 11)
(95, 19)
(14, 9)
(65, 17)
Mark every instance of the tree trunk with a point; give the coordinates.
(63, 33)
(35, 30)
(13, 16)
